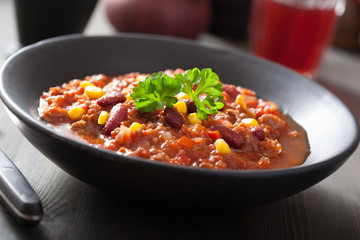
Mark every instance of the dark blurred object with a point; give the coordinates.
(230, 18)
(348, 29)
(181, 18)
(41, 19)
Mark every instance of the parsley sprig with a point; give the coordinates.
(208, 87)
(155, 92)
(159, 90)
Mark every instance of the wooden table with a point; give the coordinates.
(74, 210)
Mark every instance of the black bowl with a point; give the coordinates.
(332, 129)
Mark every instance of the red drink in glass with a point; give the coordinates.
(294, 36)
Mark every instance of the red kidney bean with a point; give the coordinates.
(231, 90)
(173, 117)
(191, 107)
(111, 99)
(117, 114)
(232, 138)
(258, 132)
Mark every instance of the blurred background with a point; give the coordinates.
(223, 23)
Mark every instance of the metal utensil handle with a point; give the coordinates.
(17, 194)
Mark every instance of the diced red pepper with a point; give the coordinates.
(186, 142)
(214, 134)
(248, 92)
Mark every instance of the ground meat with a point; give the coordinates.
(257, 134)
(272, 120)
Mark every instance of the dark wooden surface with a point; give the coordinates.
(74, 210)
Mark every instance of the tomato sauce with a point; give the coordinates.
(255, 133)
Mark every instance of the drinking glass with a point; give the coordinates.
(294, 33)
(41, 19)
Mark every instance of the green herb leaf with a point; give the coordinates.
(155, 92)
(159, 91)
(207, 96)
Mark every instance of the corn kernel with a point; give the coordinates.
(181, 107)
(241, 100)
(135, 126)
(183, 96)
(103, 117)
(84, 84)
(76, 113)
(250, 122)
(194, 119)
(140, 78)
(221, 146)
(94, 92)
